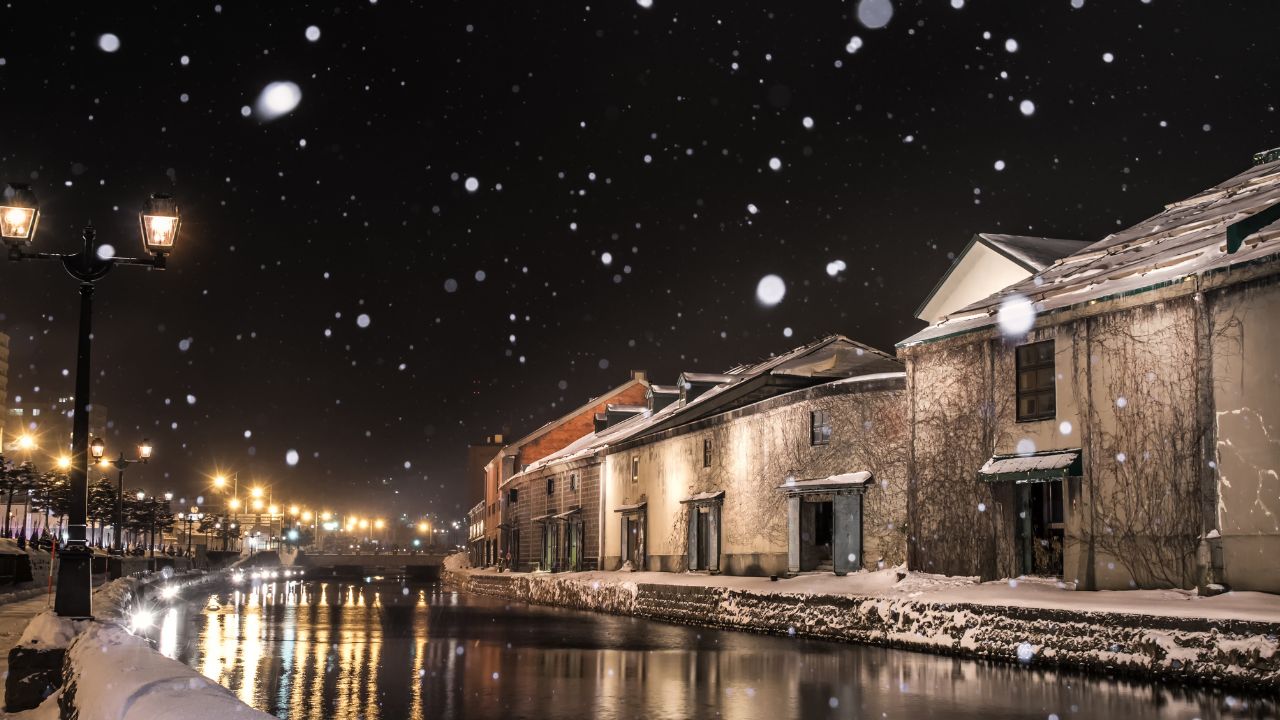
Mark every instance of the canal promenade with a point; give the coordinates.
(1229, 640)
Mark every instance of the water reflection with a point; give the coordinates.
(386, 650)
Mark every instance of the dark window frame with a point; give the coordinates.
(551, 485)
(706, 452)
(573, 481)
(635, 468)
(819, 428)
(513, 496)
(1030, 359)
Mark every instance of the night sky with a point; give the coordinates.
(624, 208)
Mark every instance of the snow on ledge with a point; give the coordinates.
(47, 631)
(119, 676)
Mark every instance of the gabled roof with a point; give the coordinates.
(791, 370)
(1032, 254)
(509, 448)
(1188, 238)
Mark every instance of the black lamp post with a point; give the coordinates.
(97, 449)
(19, 218)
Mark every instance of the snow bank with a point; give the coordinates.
(922, 612)
(116, 676)
(47, 631)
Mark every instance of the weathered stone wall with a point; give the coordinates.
(1219, 652)
(574, 484)
(753, 451)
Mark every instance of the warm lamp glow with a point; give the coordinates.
(159, 223)
(272, 510)
(326, 516)
(219, 481)
(379, 524)
(26, 442)
(256, 492)
(103, 462)
(423, 527)
(141, 495)
(144, 450)
(234, 503)
(293, 509)
(364, 524)
(306, 516)
(64, 462)
(16, 222)
(257, 503)
(97, 448)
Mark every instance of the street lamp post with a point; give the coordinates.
(19, 218)
(97, 449)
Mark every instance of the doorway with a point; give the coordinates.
(817, 522)
(1040, 527)
(633, 540)
(548, 546)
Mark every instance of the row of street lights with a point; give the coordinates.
(159, 222)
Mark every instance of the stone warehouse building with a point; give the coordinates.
(1112, 418)
(789, 465)
(496, 539)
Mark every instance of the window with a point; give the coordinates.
(512, 496)
(635, 468)
(551, 486)
(1036, 382)
(706, 452)
(573, 481)
(819, 427)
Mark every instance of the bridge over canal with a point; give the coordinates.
(422, 565)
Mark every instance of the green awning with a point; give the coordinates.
(1035, 467)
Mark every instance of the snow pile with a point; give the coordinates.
(47, 631)
(116, 676)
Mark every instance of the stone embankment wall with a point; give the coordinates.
(1229, 653)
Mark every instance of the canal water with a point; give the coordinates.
(383, 650)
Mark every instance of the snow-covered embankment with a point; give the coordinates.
(1225, 651)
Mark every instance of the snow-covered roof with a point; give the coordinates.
(1188, 238)
(636, 379)
(831, 351)
(631, 507)
(1032, 253)
(1046, 465)
(870, 378)
(827, 484)
(704, 496)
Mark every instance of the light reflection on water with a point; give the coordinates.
(383, 650)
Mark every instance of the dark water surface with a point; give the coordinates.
(381, 650)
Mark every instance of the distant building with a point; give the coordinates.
(478, 455)
(1110, 419)
(516, 456)
(50, 424)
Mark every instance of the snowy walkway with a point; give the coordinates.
(14, 617)
(1024, 592)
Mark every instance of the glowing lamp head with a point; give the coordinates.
(379, 524)
(422, 527)
(234, 503)
(168, 496)
(273, 510)
(141, 495)
(19, 215)
(257, 503)
(364, 524)
(26, 442)
(306, 516)
(64, 462)
(160, 223)
(104, 463)
(293, 510)
(144, 450)
(256, 492)
(219, 481)
(97, 448)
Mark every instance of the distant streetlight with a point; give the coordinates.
(98, 449)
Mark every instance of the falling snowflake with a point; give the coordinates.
(807, 122)
(276, 99)
(472, 184)
(775, 164)
(1011, 45)
(1016, 316)
(362, 320)
(1026, 107)
(313, 33)
(291, 457)
(770, 290)
(108, 42)
(875, 14)
(999, 165)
